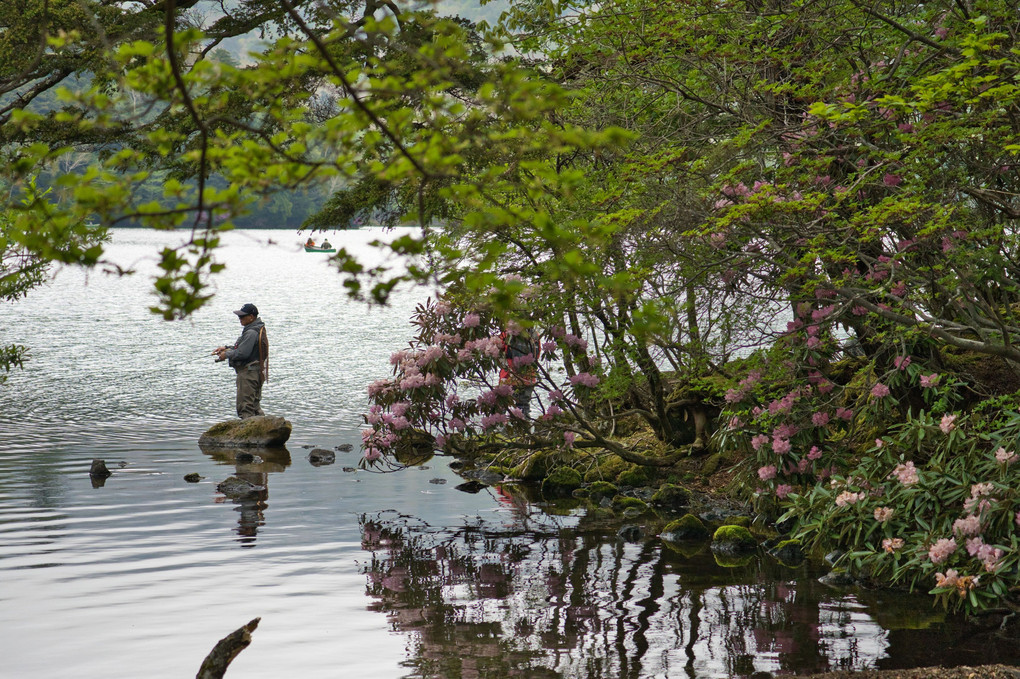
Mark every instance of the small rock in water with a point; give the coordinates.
(345, 447)
(321, 456)
(350, 469)
(99, 469)
(234, 487)
(248, 458)
(438, 482)
(193, 477)
(471, 487)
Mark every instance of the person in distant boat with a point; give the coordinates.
(326, 245)
(249, 357)
(309, 243)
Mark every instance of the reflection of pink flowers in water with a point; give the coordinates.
(890, 545)
(948, 423)
(880, 390)
(941, 550)
(767, 472)
(883, 514)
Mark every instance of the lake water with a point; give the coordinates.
(352, 573)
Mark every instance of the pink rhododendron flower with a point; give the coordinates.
(948, 423)
(490, 421)
(1005, 457)
(879, 443)
(586, 379)
(890, 179)
(981, 489)
(890, 545)
(968, 525)
(781, 446)
(552, 411)
(901, 362)
(941, 550)
(880, 390)
(803, 464)
(948, 579)
(929, 381)
(848, 498)
(440, 441)
(767, 472)
(845, 414)
(785, 431)
(906, 473)
(735, 422)
(782, 490)
(758, 441)
(471, 321)
(820, 419)
(568, 438)
(815, 453)
(883, 514)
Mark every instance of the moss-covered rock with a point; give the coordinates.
(609, 467)
(602, 489)
(671, 497)
(744, 521)
(687, 527)
(252, 432)
(561, 481)
(711, 464)
(733, 540)
(622, 502)
(637, 476)
(534, 468)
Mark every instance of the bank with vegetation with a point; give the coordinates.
(782, 236)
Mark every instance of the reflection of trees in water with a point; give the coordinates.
(560, 598)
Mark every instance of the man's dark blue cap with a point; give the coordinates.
(248, 310)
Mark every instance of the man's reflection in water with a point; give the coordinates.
(254, 467)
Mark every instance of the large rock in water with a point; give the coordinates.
(252, 432)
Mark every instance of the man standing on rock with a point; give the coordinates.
(249, 357)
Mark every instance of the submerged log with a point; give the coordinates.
(215, 664)
(252, 432)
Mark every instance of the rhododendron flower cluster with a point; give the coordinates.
(941, 550)
(948, 423)
(848, 498)
(987, 554)
(890, 545)
(884, 513)
(906, 473)
(1005, 457)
